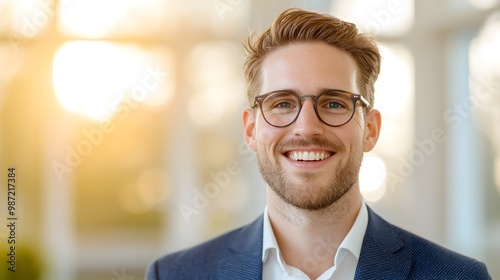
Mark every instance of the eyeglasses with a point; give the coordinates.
(333, 107)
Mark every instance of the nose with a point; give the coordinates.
(307, 123)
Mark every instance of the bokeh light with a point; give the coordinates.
(379, 17)
(217, 85)
(153, 187)
(372, 178)
(394, 97)
(484, 55)
(113, 17)
(176, 66)
(483, 4)
(28, 17)
(92, 78)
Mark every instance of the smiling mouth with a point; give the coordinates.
(308, 155)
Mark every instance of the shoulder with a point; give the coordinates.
(180, 265)
(430, 260)
(202, 260)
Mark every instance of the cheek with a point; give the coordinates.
(267, 136)
(358, 120)
(263, 130)
(353, 136)
(358, 128)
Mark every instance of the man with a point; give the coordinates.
(310, 81)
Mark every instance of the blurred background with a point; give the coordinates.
(123, 121)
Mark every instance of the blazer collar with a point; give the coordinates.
(382, 254)
(246, 262)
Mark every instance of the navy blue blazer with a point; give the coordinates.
(388, 252)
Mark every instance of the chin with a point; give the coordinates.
(311, 199)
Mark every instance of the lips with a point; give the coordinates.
(308, 155)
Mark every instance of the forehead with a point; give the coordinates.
(308, 68)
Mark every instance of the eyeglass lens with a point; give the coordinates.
(282, 108)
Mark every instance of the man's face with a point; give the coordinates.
(308, 69)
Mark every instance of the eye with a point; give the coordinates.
(334, 105)
(283, 105)
(280, 102)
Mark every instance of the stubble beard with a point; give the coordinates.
(312, 197)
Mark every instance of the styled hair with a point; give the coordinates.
(295, 26)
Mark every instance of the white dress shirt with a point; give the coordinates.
(345, 261)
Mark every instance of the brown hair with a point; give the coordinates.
(296, 25)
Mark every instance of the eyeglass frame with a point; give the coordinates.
(354, 97)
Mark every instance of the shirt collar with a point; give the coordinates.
(269, 240)
(354, 238)
(352, 242)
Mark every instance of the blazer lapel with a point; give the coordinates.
(246, 263)
(382, 254)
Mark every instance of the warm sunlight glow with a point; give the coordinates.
(394, 87)
(150, 190)
(394, 97)
(101, 18)
(9, 56)
(130, 201)
(29, 17)
(92, 18)
(214, 70)
(484, 48)
(372, 178)
(92, 78)
(152, 186)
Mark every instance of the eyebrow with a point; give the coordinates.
(318, 92)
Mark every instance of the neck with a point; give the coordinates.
(309, 239)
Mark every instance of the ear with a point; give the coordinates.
(249, 129)
(372, 129)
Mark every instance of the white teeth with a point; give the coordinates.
(308, 156)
